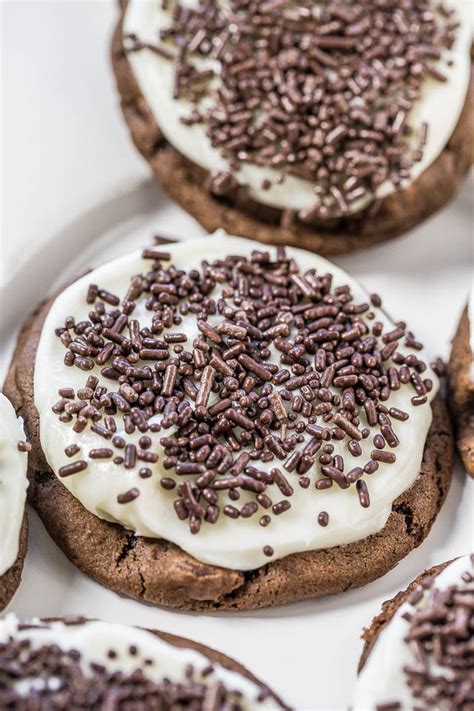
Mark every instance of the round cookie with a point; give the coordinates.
(157, 570)
(461, 386)
(213, 198)
(13, 484)
(431, 661)
(83, 660)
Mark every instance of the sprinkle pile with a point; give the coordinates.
(61, 679)
(321, 91)
(286, 371)
(441, 637)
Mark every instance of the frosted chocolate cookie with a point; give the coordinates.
(229, 431)
(461, 385)
(84, 664)
(419, 651)
(13, 484)
(330, 126)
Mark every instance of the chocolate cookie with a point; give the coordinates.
(89, 663)
(461, 390)
(157, 570)
(13, 483)
(422, 627)
(10, 580)
(215, 200)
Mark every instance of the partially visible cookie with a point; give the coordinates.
(13, 484)
(461, 385)
(328, 169)
(418, 651)
(79, 663)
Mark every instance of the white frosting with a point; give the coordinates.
(94, 639)
(440, 106)
(13, 483)
(230, 543)
(382, 679)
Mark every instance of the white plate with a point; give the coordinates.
(307, 652)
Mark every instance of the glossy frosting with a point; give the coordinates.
(230, 543)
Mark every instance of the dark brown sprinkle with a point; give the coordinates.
(67, 393)
(379, 441)
(371, 467)
(231, 511)
(323, 518)
(71, 450)
(101, 430)
(281, 507)
(24, 446)
(156, 255)
(354, 475)
(130, 457)
(248, 509)
(268, 551)
(128, 496)
(398, 414)
(383, 456)
(419, 400)
(363, 493)
(324, 483)
(347, 426)
(354, 448)
(144, 442)
(73, 468)
(282, 482)
(101, 453)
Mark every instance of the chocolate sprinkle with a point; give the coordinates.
(24, 446)
(128, 496)
(323, 518)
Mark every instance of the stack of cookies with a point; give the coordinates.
(216, 424)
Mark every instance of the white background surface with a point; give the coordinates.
(74, 192)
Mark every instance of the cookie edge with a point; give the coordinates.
(461, 391)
